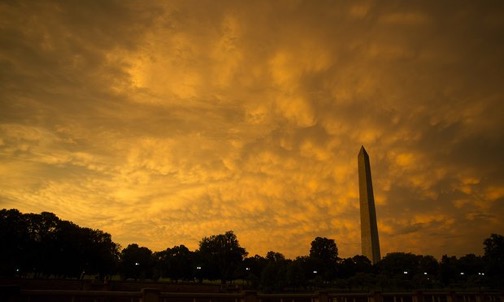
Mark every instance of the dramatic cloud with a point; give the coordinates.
(164, 122)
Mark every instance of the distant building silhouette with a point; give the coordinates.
(369, 229)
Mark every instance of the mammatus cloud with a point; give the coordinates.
(162, 123)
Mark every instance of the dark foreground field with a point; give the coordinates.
(61, 284)
(54, 290)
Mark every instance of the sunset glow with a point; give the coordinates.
(162, 122)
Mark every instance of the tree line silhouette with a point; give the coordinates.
(44, 246)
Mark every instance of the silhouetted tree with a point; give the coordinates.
(324, 249)
(356, 272)
(274, 274)
(398, 263)
(400, 269)
(82, 251)
(362, 264)
(101, 254)
(348, 267)
(428, 264)
(222, 255)
(324, 256)
(494, 260)
(136, 262)
(470, 265)
(428, 268)
(46, 245)
(42, 230)
(15, 242)
(275, 257)
(448, 269)
(175, 263)
(68, 249)
(252, 268)
(297, 273)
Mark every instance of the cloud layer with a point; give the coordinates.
(162, 123)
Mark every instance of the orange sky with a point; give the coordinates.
(161, 122)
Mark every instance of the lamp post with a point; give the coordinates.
(136, 270)
(247, 275)
(199, 274)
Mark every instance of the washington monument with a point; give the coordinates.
(369, 230)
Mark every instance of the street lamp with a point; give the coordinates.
(198, 274)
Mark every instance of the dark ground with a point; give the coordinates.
(63, 284)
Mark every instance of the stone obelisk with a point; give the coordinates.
(369, 229)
